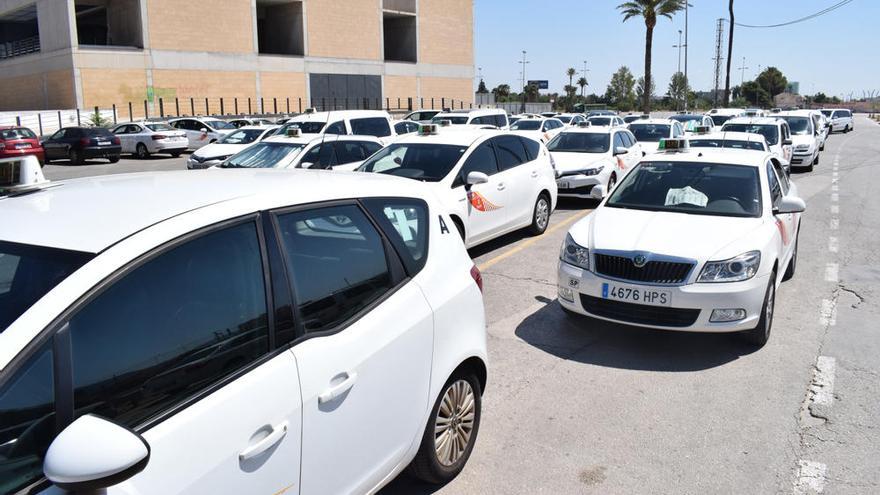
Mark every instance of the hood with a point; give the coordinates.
(215, 150)
(800, 139)
(567, 161)
(699, 237)
(649, 146)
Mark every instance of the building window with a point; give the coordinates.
(109, 23)
(19, 33)
(280, 27)
(401, 44)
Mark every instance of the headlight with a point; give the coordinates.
(574, 254)
(742, 267)
(592, 171)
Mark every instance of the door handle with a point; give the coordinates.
(265, 444)
(535, 174)
(336, 391)
(501, 186)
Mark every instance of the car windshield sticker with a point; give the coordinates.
(481, 203)
(687, 195)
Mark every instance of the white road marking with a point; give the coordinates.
(835, 197)
(834, 188)
(834, 224)
(828, 313)
(823, 381)
(810, 478)
(832, 244)
(835, 209)
(831, 270)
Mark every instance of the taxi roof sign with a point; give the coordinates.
(673, 144)
(584, 123)
(701, 129)
(293, 131)
(428, 129)
(20, 175)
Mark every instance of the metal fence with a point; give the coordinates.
(20, 47)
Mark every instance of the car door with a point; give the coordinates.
(622, 162)
(365, 355)
(197, 370)
(787, 223)
(484, 212)
(517, 174)
(54, 146)
(121, 132)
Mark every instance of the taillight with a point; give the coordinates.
(157, 137)
(116, 140)
(85, 141)
(477, 276)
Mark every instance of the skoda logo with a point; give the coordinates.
(640, 260)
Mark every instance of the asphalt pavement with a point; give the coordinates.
(581, 406)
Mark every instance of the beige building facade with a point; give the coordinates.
(57, 54)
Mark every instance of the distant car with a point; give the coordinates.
(249, 121)
(571, 119)
(376, 123)
(691, 121)
(202, 131)
(634, 117)
(228, 145)
(841, 120)
(775, 131)
(542, 129)
(586, 157)
(729, 140)
(20, 141)
(143, 139)
(326, 152)
(598, 113)
(722, 115)
(649, 132)
(79, 144)
(754, 112)
(548, 115)
(606, 121)
(406, 127)
(421, 116)
(496, 118)
(806, 137)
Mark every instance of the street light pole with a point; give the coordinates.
(679, 46)
(686, 80)
(585, 78)
(742, 77)
(524, 62)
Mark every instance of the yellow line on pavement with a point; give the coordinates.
(529, 242)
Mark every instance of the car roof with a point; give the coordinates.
(338, 114)
(654, 121)
(754, 120)
(753, 158)
(92, 214)
(454, 135)
(725, 111)
(797, 113)
(599, 129)
(731, 135)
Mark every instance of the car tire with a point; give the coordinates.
(822, 148)
(462, 392)
(141, 151)
(759, 335)
(175, 154)
(816, 160)
(540, 215)
(792, 263)
(75, 157)
(114, 159)
(809, 167)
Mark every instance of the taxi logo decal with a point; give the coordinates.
(620, 164)
(479, 202)
(783, 232)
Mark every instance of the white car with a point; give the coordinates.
(697, 240)
(143, 139)
(606, 121)
(249, 121)
(202, 131)
(323, 152)
(774, 130)
(824, 125)
(729, 140)
(486, 117)
(251, 332)
(402, 127)
(490, 183)
(421, 116)
(228, 145)
(807, 139)
(586, 157)
(754, 112)
(375, 123)
(571, 119)
(722, 115)
(691, 122)
(542, 129)
(649, 132)
(841, 119)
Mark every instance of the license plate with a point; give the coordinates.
(21, 146)
(637, 295)
(103, 143)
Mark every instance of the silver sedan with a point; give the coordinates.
(145, 138)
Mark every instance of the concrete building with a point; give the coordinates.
(58, 54)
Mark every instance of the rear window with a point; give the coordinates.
(159, 127)
(373, 126)
(405, 221)
(18, 133)
(454, 119)
(727, 143)
(770, 132)
(652, 133)
(526, 125)
(97, 131)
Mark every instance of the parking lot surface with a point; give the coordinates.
(582, 406)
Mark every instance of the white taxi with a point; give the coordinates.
(729, 140)
(489, 182)
(587, 156)
(296, 150)
(606, 121)
(228, 145)
(649, 132)
(201, 131)
(256, 331)
(775, 130)
(695, 240)
(376, 123)
(542, 129)
(806, 137)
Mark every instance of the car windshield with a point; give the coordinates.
(600, 120)
(423, 161)
(798, 125)
(513, 120)
(565, 118)
(20, 133)
(770, 133)
(526, 125)
(650, 132)
(242, 136)
(454, 119)
(687, 118)
(309, 127)
(720, 119)
(159, 127)
(826, 113)
(28, 272)
(580, 142)
(688, 187)
(219, 124)
(263, 155)
(726, 143)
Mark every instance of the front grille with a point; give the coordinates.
(578, 190)
(654, 272)
(639, 313)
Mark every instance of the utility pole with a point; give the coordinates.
(687, 84)
(719, 41)
(679, 46)
(524, 62)
(742, 76)
(585, 77)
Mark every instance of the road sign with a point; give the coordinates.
(540, 84)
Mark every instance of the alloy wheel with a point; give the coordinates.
(542, 213)
(454, 423)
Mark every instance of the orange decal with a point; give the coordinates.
(620, 164)
(481, 203)
(782, 231)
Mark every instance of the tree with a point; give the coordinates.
(582, 82)
(649, 10)
(640, 89)
(98, 120)
(620, 90)
(729, 56)
(531, 92)
(772, 81)
(481, 89)
(820, 98)
(501, 91)
(678, 88)
(755, 94)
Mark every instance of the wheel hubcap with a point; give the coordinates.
(768, 317)
(542, 213)
(454, 423)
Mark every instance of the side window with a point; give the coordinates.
(783, 177)
(510, 152)
(312, 156)
(372, 126)
(171, 327)
(500, 121)
(349, 151)
(773, 182)
(58, 135)
(123, 129)
(618, 140)
(370, 148)
(336, 128)
(481, 121)
(337, 264)
(676, 130)
(547, 126)
(482, 160)
(533, 149)
(27, 422)
(405, 222)
(629, 139)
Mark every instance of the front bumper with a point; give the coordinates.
(169, 146)
(691, 304)
(577, 186)
(192, 164)
(802, 159)
(15, 153)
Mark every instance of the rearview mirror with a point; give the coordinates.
(93, 453)
(598, 192)
(474, 178)
(790, 204)
(620, 150)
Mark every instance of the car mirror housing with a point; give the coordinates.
(203, 130)
(474, 178)
(598, 192)
(790, 204)
(94, 453)
(620, 150)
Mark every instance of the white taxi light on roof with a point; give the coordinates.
(293, 132)
(672, 144)
(701, 129)
(20, 174)
(428, 129)
(584, 123)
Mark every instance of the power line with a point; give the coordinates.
(802, 19)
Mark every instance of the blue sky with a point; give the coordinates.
(836, 53)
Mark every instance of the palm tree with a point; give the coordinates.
(582, 82)
(571, 73)
(649, 10)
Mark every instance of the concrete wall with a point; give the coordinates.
(449, 88)
(402, 87)
(201, 25)
(349, 29)
(283, 85)
(446, 32)
(46, 91)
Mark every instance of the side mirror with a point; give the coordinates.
(598, 192)
(474, 178)
(93, 453)
(306, 165)
(620, 150)
(790, 204)
(787, 142)
(203, 130)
